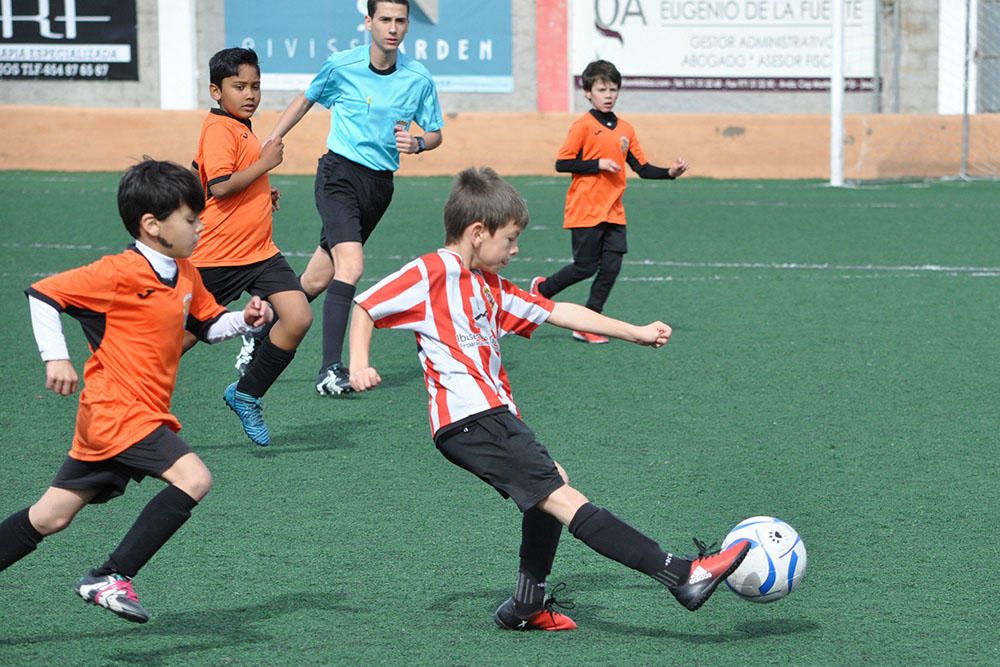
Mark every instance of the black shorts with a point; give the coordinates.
(350, 198)
(589, 243)
(501, 450)
(227, 283)
(150, 457)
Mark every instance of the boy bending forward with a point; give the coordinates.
(459, 308)
(134, 308)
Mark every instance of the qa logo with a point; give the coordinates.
(611, 14)
(44, 19)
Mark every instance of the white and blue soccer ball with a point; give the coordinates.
(775, 564)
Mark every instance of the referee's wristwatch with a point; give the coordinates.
(421, 145)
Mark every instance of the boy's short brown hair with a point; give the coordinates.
(480, 195)
(600, 70)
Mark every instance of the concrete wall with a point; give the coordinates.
(917, 90)
(717, 145)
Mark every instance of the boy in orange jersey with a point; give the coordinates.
(459, 307)
(236, 253)
(134, 308)
(595, 152)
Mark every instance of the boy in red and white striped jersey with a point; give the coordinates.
(459, 308)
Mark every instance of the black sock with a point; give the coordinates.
(158, 521)
(540, 532)
(268, 363)
(18, 538)
(609, 536)
(336, 311)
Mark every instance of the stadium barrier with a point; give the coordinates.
(755, 146)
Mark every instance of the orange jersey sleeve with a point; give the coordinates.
(238, 227)
(134, 323)
(596, 198)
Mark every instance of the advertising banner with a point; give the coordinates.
(724, 45)
(466, 44)
(68, 40)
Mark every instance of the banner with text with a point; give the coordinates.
(466, 44)
(68, 40)
(724, 45)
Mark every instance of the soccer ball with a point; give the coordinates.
(775, 563)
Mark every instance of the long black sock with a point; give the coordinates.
(609, 536)
(540, 534)
(18, 538)
(336, 311)
(158, 521)
(268, 363)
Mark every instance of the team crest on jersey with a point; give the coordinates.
(187, 305)
(624, 146)
(488, 295)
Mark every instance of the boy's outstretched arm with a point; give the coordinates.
(363, 376)
(575, 317)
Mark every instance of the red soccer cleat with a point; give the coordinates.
(591, 338)
(707, 572)
(546, 619)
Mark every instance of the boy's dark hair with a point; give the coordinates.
(227, 63)
(600, 70)
(480, 195)
(159, 188)
(372, 5)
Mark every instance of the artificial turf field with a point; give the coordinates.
(833, 363)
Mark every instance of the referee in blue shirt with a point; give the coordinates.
(373, 92)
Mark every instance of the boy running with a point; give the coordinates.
(236, 253)
(596, 151)
(459, 308)
(374, 93)
(134, 308)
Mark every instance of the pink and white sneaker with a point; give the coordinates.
(536, 282)
(114, 593)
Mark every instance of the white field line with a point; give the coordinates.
(851, 270)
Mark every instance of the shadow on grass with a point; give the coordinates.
(187, 632)
(591, 616)
(319, 436)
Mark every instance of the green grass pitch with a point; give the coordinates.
(833, 363)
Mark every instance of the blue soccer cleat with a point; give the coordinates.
(250, 410)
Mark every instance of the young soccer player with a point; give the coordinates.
(236, 253)
(374, 93)
(459, 308)
(595, 152)
(134, 308)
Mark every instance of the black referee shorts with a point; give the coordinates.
(150, 457)
(501, 450)
(227, 283)
(351, 199)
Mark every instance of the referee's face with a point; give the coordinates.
(388, 26)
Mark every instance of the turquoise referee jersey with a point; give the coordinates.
(365, 106)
